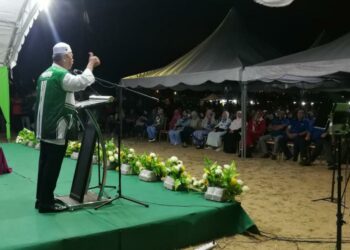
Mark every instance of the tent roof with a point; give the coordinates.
(16, 19)
(312, 65)
(219, 58)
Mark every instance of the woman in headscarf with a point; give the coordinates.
(214, 139)
(256, 128)
(208, 123)
(232, 137)
(174, 134)
(195, 123)
(176, 116)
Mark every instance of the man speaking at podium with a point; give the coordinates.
(55, 109)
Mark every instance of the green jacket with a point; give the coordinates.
(54, 115)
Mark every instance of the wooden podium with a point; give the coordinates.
(79, 196)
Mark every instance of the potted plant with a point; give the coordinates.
(176, 176)
(152, 169)
(25, 136)
(73, 149)
(222, 182)
(128, 161)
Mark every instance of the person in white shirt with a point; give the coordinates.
(233, 136)
(54, 118)
(214, 139)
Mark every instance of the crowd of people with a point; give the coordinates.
(269, 133)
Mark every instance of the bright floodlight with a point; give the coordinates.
(303, 103)
(223, 102)
(312, 104)
(349, 102)
(235, 101)
(252, 102)
(44, 4)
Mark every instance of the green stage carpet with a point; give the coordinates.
(173, 220)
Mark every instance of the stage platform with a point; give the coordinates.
(173, 219)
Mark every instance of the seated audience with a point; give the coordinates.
(155, 125)
(277, 130)
(232, 137)
(214, 139)
(194, 124)
(176, 116)
(323, 142)
(140, 124)
(208, 123)
(256, 128)
(174, 134)
(298, 133)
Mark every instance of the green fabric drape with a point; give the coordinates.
(5, 99)
(173, 220)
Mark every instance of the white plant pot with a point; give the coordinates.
(147, 175)
(31, 144)
(169, 183)
(215, 194)
(126, 169)
(74, 156)
(37, 146)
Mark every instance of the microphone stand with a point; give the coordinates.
(120, 193)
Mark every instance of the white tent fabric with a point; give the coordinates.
(16, 19)
(219, 58)
(312, 65)
(274, 3)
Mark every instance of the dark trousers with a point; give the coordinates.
(231, 141)
(50, 161)
(300, 146)
(186, 133)
(325, 145)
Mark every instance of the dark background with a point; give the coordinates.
(135, 36)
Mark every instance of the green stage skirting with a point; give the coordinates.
(173, 220)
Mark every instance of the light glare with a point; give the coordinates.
(44, 4)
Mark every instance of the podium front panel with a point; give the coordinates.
(83, 168)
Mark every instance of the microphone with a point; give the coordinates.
(77, 71)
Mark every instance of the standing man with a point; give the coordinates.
(55, 110)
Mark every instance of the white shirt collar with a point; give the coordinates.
(56, 65)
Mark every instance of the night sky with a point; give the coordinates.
(132, 36)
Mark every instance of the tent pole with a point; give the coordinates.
(244, 118)
(5, 99)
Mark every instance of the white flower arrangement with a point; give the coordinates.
(223, 178)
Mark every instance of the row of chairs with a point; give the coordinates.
(290, 146)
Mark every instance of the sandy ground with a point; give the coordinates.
(279, 200)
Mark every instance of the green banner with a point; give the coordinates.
(5, 99)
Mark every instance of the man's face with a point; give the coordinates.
(300, 114)
(69, 60)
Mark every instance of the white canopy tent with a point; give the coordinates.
(221, 57)
(16, 19)
(311, 66)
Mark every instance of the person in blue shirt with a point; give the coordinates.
(323, 143)
(277, 129)
(298, 133)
